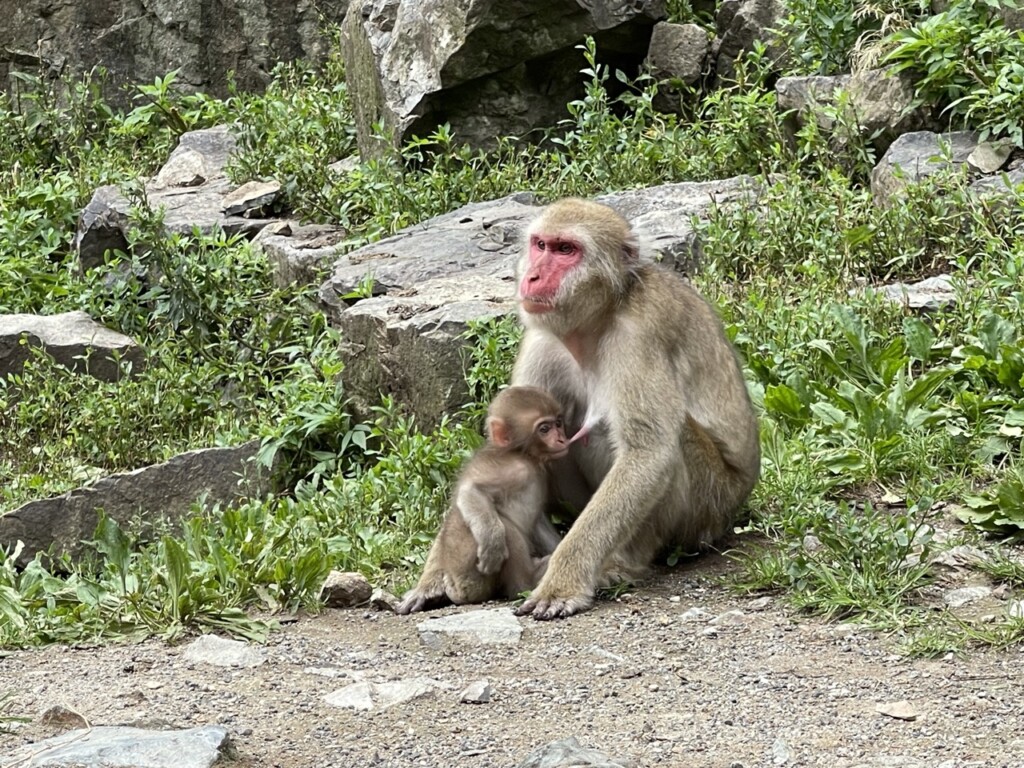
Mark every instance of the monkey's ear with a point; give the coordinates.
(498, 432)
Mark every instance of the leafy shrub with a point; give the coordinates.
(824, 37)
(865, 564)
(969, 63)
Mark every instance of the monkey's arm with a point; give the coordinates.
(481, 516)
(644, 431)
(636, 481)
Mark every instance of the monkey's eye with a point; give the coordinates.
(544, 428)
(540, 245)
(565, 248)
(558, 422)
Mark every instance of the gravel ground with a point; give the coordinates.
(634, 678)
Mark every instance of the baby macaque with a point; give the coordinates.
(495, 539)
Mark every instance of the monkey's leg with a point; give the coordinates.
(429, 591)
(463, 581)
(519, 573)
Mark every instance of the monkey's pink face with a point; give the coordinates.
(549, 260)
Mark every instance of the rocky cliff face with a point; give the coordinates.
(137, 41)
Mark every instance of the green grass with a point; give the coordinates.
(870, 415)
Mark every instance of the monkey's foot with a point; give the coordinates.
(423, 597)
(547, 608)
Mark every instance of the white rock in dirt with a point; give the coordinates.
(478, 692)
(116, 747)
(897, 761)
(760, 603)
(493, 627)
(695, 614)
(567, 753)
(728, 619)
(382, 600)
(1015, 610)
(605, 654)
(958, 598)
(355, 696)
(367, 696)
(334, 672)
(389, 694)
(222, 652)
(781, 753)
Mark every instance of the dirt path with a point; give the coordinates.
(633, 678)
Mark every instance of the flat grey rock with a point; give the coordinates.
(1002, 184)
(117, 747)
(914, 156)
(367, 696)
(930, 294)
(957, 598)
(567, 753)
(68, 338)
(190, 190)
(251, 197)
(497, 626)
(223, 652)
(166, 490)
(989, 156)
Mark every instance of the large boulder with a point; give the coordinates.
(740, 24)
(151, 494)
(993, 169)
(880, 103)
(915, 156)
(73, 339)
(487, 67)
(193, 191)
(138, 41)
(677, 55)
(431, 280)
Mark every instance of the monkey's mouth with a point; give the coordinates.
(538, 306)
(560, 454)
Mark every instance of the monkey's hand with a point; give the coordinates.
(491, 553)
(556, 598)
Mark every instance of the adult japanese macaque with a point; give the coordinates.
(495, 539)
(668, 444)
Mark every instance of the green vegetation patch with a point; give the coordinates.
(881, 428)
